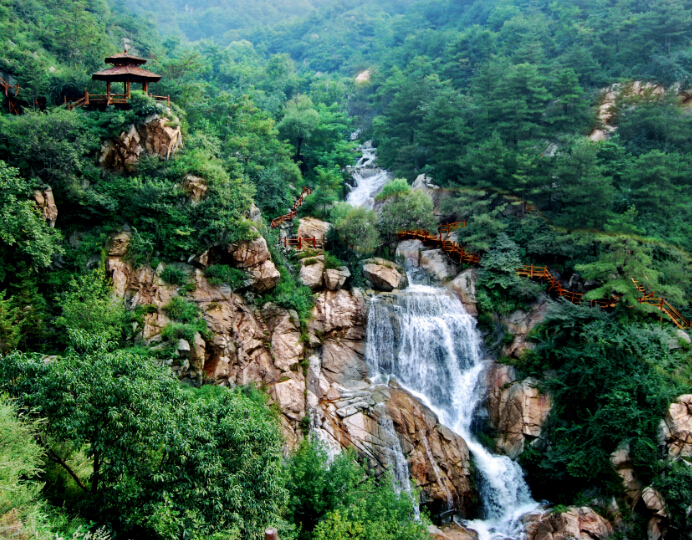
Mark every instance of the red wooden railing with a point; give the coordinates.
(294, 211)
(106, 99)
(457, 252)
(301, 242)
(12, 102)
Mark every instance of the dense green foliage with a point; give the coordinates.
(494, 100)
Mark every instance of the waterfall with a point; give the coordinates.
(395, 456)
(368, 178)
(425, 339)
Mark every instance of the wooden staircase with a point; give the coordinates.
(294, 211)
(459, 254)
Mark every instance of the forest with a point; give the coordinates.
(559, 132)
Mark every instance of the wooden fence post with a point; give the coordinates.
(271, 534)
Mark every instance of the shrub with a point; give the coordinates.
(173, 275)
(356, 227)
(182, 310)
(411, 210)
(397, 186)
(221, 274)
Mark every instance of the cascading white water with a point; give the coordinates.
(368, 178)
(425, 339)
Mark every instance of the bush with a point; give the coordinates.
(356, 227)
(397, 186)
(173, 275)
(221, 274)
(412, 210)
(182, 310)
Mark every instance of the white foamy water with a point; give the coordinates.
(425, 339)
(368, 178)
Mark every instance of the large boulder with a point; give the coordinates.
(384, 275)
(657, 527)
(314, 228)
(118, 244)
(335, 278)
(517, 410)
(464, 287)
(311, 271)
(576, 523)
(154, 136)
(676, 428)
(195, 187)
(427, 265)
(254, 257)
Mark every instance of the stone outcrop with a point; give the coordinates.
(255, 259)
(576, 523)
(516, 410)
(427, 265)
(464, 286)
(315, 275)
(195, 187)
(314, 228)
(118, 244)
(676, 428)
(657, 527)
(284, 326)
(452, 531)
(622, 462)
(384, 275)
(46, 204)
(519, 324)
(155, 136)
(311, 271)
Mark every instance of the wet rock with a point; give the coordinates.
(517, 410)
(676, 428)
(577, 523)
(384, 275)
(430, 266)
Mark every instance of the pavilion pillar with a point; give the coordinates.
(128, 89)
(108, 93)
(145, 87)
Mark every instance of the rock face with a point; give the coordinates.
(519, 324)
(464, 287)
(516, 410)
(195, 187)
(431, 266)
(311, 271)
(656, 505)
(384, 275)
(255, 259)
(154, 136)
(118, 244)
(676, 428)
(314, 228)
(578, 523)
(347, 411)
(334, 279)
(46, 204)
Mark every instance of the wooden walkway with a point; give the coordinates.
(294, 211)
(459, 254)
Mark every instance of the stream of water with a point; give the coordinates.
(425, 339)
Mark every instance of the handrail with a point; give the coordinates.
(542, 272)
(294, 211)
(300, 242)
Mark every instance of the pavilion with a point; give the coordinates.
(127, 70)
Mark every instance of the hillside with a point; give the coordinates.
(347, 270)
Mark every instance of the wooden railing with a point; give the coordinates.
(452, 249)
(12, 102)
(458, 253)
(450, 227)
(301, 242)
(294, 211)
(106, 99)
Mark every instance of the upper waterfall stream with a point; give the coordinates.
(368, 178)
(425, 339)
